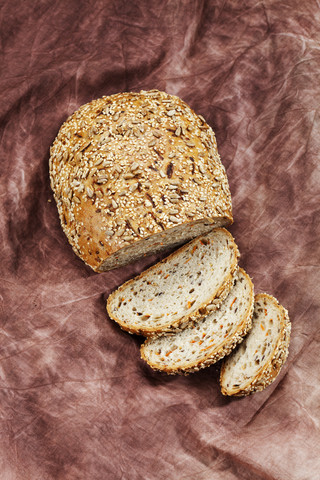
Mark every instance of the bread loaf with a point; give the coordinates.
(256, 363)
(208, 340)
(181, 288)
(136, 173)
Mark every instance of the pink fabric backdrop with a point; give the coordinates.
(76, 401)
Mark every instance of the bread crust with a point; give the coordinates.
(136, 166)
(180, 324)
(221, 351)
(271, 369)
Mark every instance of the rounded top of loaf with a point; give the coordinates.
(136, 167)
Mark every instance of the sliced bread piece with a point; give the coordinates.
(256, 363)
(179, 289)
(209, 339)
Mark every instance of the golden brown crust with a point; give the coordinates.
(221, 351)
(181, 323)
(271, 369)
(131, 165)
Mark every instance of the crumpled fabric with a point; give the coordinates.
(76, 400)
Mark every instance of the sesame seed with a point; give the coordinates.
(170, 113)
(174, 219)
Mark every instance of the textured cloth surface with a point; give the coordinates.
(76, 401)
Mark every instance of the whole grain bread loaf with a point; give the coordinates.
(178, 290)
(256, 363)
(208, 340)
(134, 174)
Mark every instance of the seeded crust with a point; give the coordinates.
(134, 174)
(211, 355)
(178, 324)
(271, 368)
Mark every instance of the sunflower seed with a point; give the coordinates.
(90, 192)
(172, 187)
(109, 233)
(102, 180)
(162, 174)
(173, 194)
(116, 116)
(76, 199)
(173, 212)
(178, 132)
(114, 203)
(201, 118)
(133, 187)
(202, 199)
(127, 176)
(152, 143)
(219, 210)
(98, 162)
(195, 179)
(174, 219)
(134, 166)
(170, 113)
(171, 155)
(156, 134)
(85, 145)
(174, 200)
(127, 238)
(183, 190)
(120, 232)
(190, 144)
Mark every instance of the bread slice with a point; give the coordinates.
(179, 289)
(209, 339)
(257, 361)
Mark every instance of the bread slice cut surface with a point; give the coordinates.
(257, 361)
(179, 289)
(208, 340)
